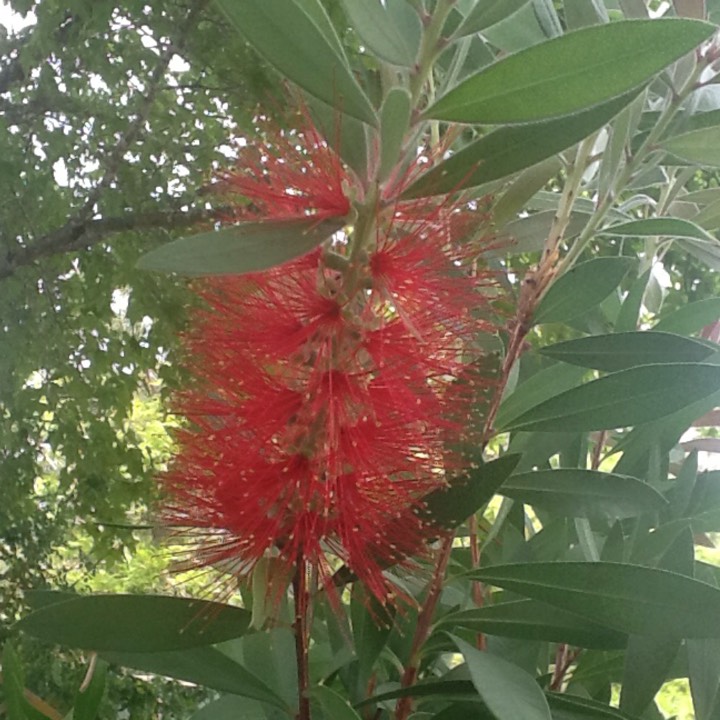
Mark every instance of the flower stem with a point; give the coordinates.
(424, 625)
(301, 629)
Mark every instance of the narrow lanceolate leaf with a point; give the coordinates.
(537, 388)
(706, 252)
(333, 704)
(628, 397)
(704, 676)
(242, 248)
(509, 149)
(507, 691)
(428, 688)
(13, 684)
(135, 623)
(449, 507)
(690, 318)
(394, 122)
(582, 288)
(486, 14)
(583, 493)
(378, 30)
(531, 620)
(573, 707)
(551, 79)
(303, 47)
(697, 147)
(630, 598)
(619, 351)
(205, 666)
(661, 226)
(89, 697)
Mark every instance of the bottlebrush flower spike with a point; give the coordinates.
(292, 174)
(324, 398)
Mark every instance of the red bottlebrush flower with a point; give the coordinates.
(319, 418)
(324, 398)
(288, 175)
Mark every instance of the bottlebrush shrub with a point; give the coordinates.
(327, 390)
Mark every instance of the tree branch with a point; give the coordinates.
(82, 230)
(73, 236)
(136, 126)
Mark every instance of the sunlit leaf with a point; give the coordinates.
(508, 692)
(583, 493)
(303, 46)
(630, 598)
(486, 14)
(582, 288)
(241, 248)
(135, 623)
(697, 147)
(378, 29)
(620, 351)
(551, 79)
(628, 397)
(531, 620)
(509, 149)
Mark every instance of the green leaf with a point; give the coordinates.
(629, 598)
(334, 705)
(628, 397)
(522, 189)
(13, 684)
(537, 388)
(88, 699)
(303, 48)
(394, 123)
(573, 707)
(531, 620)
(16, 705)
(649, 658)
(463, 711)
(585, 12)
(508, 692)
(547, 17)
(205, 666)
(582, 288)
(135, 623)
(551, 79)
(487, 13)
(346, 136)
(614, 155)
(428, 688)
(705, 251)
(704, 676)
(528, 234)
(697, 147)
(231, 707)
(690, 318)
(629, 315)
(242, 248)
(449, 507)
(509, 149)
(660, 226)
(376, 28)
(709, 216)
(371, 626)
(583, 493)
(620, 351)
(518, 31)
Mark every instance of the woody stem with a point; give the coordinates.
(424, 625)
(301, 630)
